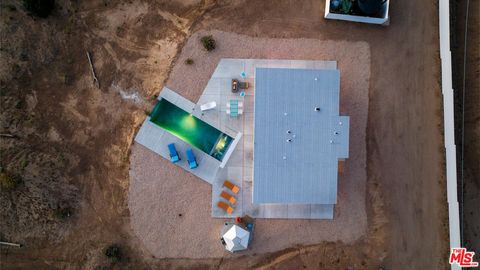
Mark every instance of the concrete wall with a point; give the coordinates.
(448, 111)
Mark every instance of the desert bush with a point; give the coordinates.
(189, 61)
(62, 213)
(346, 6)
(23, 163)
(113, 252)
(11, 7)
(9, 182)
(208, 43)
(39, 8)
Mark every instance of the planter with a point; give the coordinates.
(353, 16)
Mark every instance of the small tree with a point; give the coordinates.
(39, 8)
(113, 252)
(189, 61)
(9, 182)
(208, 43)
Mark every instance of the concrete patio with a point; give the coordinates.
(239, 166)
(156, 139)
(239, 169)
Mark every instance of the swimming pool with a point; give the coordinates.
(190, 129)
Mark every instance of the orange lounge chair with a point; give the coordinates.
(228, 197)
(227, 208)
(231, 186)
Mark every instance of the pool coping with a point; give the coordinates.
(229, 152)
(193, 108)
(156, 139)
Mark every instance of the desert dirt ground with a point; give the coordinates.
(72, 140)
(159, 190)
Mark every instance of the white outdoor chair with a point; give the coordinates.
(208, 106)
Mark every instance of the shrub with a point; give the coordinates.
(62, 213)
(346, 6)
(189, 61)
(208, 43)
(113, 252)
(11, 7)
(24, 163)
(8, 182)
(39, 8)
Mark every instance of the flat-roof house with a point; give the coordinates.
(299, 136)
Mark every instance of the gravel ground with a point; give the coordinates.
(160, 192)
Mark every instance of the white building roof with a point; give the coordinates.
(303, 170)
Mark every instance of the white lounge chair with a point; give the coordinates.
(208, 106)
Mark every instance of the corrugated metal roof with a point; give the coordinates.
(303, 170)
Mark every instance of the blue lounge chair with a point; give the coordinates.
(173, 153)
(191, 159)
(234, 108)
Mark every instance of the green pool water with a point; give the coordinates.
(190, 129)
